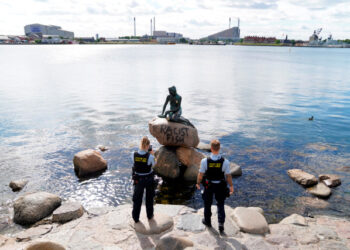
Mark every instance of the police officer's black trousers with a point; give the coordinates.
(219, 191)
(144, 182)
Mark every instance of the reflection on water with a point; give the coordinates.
(58, 100)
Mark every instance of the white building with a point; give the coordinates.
(165, 37)
(49, 30)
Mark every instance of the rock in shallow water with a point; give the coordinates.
(250, 221)
(302, 177)
(88, 161)
(33, 207)
(18, 185)
(167, 163)
(67, 212)
(320, 190)
(330, 180)
(173, 133)
(204, 147)
(235, 169)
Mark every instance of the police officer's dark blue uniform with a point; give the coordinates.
(143, 179)
(215, 168)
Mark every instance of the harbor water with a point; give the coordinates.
(58, 100)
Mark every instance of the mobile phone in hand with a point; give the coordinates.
(150, 148)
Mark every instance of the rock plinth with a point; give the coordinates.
(33, 207)
(17, 185)
(172, 133)
(88, 162)
(250, 221)
(320, 190)
(330, 180)
(158, 224)
(189, 156)
(167, 164)
(67, 212)
(302, 177)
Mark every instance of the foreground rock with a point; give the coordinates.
(44, 245)
(158, 224)
(33, 207)
(294, 219)
(250, 220)
(18, 185)
(172, 133)
(167, 164)
(88, 161)
(112, 229)
(302, 177)
(235, 169)
(330, 180)
(320, 190)
(67, 212)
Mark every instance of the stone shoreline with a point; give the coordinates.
(180, 227)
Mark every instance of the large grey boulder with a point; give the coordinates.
(88, 161)
(189, 156)
(302, 177)
(167, 164)
(173, 133)
(250, 220)
(67, 212)
(33, 207)
(158, 224)
(330, 180)
(18, 185)
(320, 190)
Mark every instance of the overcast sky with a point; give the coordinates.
(192, 18)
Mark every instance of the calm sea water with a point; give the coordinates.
(58, 100)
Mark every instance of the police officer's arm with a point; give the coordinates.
(199, 180)
(229, 181)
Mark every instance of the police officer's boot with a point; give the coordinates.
(221, 228)
(208, 224)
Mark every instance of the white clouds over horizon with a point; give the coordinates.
(192, 18)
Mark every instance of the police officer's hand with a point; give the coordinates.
(198, 186)
(231, 190)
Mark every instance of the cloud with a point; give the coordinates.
(200, 23)
(269, 4)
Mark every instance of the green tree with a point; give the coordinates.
(278, 41)
(183, 40)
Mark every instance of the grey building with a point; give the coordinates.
(231, 34)
(50, 30)
(167, 37)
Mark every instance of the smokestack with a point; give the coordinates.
(151, 28)
(154, 24)
(134, 26)
(238, 22)
(229, 23)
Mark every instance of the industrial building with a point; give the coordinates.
(259, 39)
(166, 37)
(50, 30)
(231, 34)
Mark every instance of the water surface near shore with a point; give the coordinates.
(58, 100)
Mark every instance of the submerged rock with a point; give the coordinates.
(167, 164)
(173, 133)
(250, 220)
(302, 177)
(330, 180)
(320, 190)
(67, 212)
(88, 161)
(18, 185)
(33, 207)
(102, 148)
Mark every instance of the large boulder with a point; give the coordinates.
(189, 156)
(88, 161)
(191, 173)
(302, 177)
(320, 190)
(18, 185)
(33, 207)
(67, 212)
(331, 180)
(250, 220)
(167, 164)
(173, 133)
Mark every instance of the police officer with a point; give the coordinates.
(214, 169)
(143, 177)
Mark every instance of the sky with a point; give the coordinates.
(192, 18)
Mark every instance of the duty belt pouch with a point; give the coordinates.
(135, 178)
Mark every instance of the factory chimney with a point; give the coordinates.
(134, 26)
(229, 23)
(154, 24)
(151, 28)
(238, 22)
